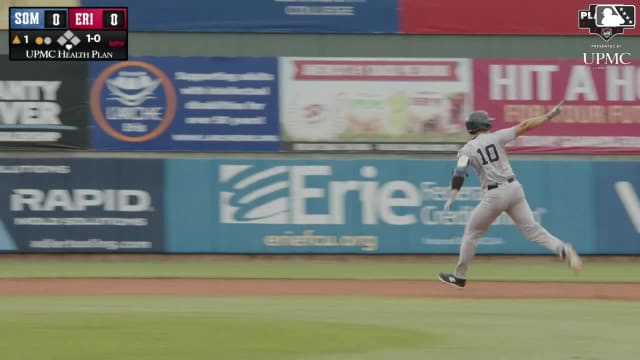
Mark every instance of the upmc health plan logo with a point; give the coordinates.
(607, 20)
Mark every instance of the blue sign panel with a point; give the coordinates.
(303, 16)
(193, 104)
(81, 205)
(358, 206)
(617, 204)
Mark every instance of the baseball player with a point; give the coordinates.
(502, 192)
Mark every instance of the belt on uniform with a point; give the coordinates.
(491, 187)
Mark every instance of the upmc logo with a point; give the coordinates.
(133, 101)
(335, 195)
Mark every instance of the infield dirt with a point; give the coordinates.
(306, 287)
(289, 287)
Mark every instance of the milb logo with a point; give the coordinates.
(607, 20)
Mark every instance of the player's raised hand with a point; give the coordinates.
(555, 111)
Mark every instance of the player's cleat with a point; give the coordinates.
(569, 255)
(452, 280)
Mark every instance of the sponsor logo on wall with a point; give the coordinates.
(357, 205)
(599, 112)
(133, 101)
(630, 201)
(312, 194)
(617, 204)
(44, 105)
(81, 205)
(358, 104)
(196, 104)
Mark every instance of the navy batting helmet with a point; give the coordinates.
(478, 121)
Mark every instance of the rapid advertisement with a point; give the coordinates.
(81, 205)
(360, 206)
(365, 104)
(600, 113)
(185, 103)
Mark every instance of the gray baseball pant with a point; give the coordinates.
(509, 198)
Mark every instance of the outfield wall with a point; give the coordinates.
(279, 201)
(273, 205)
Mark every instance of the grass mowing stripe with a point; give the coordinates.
(480, 270)
(171, 336)
(337, 328)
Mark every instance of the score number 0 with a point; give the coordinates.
(55, 19)
(114, 19)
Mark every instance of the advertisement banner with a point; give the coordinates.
(359, 206)
(81, 205)
(600, 114)
(359, 104)
(617, 200)
(185, 103)
(498, 17)
(269, 16)
(43, 105)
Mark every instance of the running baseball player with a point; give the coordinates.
(502, 192)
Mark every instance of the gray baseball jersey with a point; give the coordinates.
(487, 155)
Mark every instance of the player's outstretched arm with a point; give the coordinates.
(532, 123)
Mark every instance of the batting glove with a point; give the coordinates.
(555, 111)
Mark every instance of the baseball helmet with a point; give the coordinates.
(478, 121)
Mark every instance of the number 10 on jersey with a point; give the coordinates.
(491, 153)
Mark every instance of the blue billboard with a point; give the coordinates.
(368, 206)
(617, 204)
(185, 104)
(269, 16)
(81, 205)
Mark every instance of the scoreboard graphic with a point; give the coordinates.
(74, 34)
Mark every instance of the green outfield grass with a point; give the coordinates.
(327, 328)
(525, 270)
